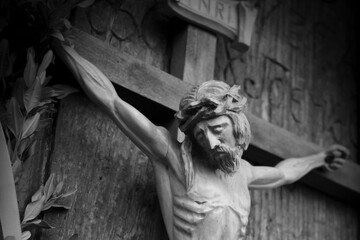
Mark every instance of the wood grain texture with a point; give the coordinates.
(167, 90)
(193, 55)
(300, 72)
(299, 75)
(116, 196)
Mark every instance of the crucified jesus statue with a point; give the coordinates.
(202, 183)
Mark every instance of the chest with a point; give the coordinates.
(222, 190)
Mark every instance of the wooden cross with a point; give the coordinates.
(270, 143)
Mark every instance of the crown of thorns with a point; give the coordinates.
(209, 100)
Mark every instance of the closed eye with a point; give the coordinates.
(218, 129)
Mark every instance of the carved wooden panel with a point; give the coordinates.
(135, 27)
(300, 71)
(116, 195)
(299, 74)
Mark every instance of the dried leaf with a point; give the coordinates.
(45, 62)
(69, 193)
(47, 80)
(58, 188)
(86, 3)
(32, 95)
(38, 194)
(42, 77)
(24, 144)
(49, 186)
(61, 201)
(30, 68)
(30, 125)
(38, 223)
(33, 209)
(15, 118)
(66, 23)
(58, 35)
(29, 151)
(58, 91)
(25, 235)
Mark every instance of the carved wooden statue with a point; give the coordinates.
(202, 183)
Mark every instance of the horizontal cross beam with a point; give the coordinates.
(270, 144)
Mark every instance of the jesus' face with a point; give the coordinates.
(216, 138)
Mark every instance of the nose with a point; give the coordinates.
(212, 140)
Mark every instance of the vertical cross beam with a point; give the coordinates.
(193, 60)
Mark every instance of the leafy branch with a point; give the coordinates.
(31, 97)
(47, 196)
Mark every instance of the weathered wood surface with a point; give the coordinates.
(108, 208)
(299, 73)
(193, 61)
(193, 55)
(33, 171)
(168, 90)
(116, 196)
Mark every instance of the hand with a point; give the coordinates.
(335, 157)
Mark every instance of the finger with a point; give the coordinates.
(339, 161)
(335, 166)
(344, 151)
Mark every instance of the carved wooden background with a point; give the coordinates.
(298, 74)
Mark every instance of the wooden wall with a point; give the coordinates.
(298, 74)
(116, 197)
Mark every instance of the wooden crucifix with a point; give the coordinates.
(202, 183)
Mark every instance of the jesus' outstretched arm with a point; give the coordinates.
(292, 169)
(151, 139)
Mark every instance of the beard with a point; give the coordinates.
(225, 158)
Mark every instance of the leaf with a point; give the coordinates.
(49, 186)
(32, 95)
(15, 117)
(29, 151)
(66, 23)
(58, 91)
(42, 77)
(58, 188)
(38, 194)
(45, 62)
(47, 80)
(33, 209)
(86, 3)
(25, 235)
(30, 125)
(30, 68)
(24, 144)
(61, 201)
(58, 35)
(38, 223)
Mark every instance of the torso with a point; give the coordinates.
(216, 207)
